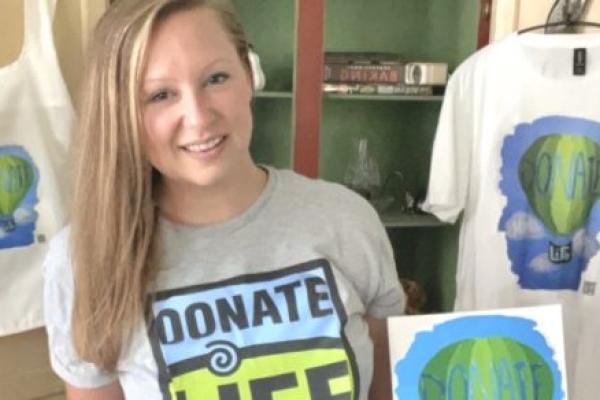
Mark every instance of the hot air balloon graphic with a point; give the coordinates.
(486, 368)
(16, 177)
(560, 174)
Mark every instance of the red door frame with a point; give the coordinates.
(485, 18)
(310, 20)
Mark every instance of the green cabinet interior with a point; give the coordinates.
(399, 132)
(270, 27)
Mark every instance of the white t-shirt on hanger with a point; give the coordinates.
(517, 150)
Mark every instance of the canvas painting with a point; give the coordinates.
(515, 354)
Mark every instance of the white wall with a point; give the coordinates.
(511, 15)
(534, 12)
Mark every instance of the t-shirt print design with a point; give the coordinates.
(551, 180)
(255, 337)
(18, 197)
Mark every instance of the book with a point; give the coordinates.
(361, 57)
(363, 67)
(382, 89)
(364, 73)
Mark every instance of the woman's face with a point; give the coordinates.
(196, 102)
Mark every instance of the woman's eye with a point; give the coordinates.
(158, 96)
(218, 78)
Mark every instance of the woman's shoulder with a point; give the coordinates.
(323, 195)
(298, 184)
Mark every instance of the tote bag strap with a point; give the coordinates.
(39, 15)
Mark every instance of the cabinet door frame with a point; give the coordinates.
(307, 109)
(484, 29)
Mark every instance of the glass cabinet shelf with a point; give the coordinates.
(378, 97)
(400, 219)
(273, 95)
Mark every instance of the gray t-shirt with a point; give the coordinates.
(271, 301)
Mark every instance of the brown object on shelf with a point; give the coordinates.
(416, 298)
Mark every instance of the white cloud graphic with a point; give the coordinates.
(24, 216)
(584, 246)
(578, 242)
(524, 226)
(542, 264)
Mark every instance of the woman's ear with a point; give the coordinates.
(258, 76)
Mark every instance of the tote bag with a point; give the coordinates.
(35, 121)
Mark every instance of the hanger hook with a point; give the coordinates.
(568, 13)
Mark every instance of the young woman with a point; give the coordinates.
(188, 271)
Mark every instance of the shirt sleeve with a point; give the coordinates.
(368, 255)
(389, 298)
(58, 299)
(451, 155)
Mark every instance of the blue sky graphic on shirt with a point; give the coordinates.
(477, 358)
(254, 337)
(550, 176)
(18, 197)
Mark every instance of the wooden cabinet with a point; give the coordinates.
(270, 26)
(297, 126)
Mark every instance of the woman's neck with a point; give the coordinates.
(207, 206)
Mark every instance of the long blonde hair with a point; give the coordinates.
(114, 217)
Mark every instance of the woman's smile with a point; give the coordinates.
(205, 148)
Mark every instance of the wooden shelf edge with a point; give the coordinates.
(379, 97)
(273, 95)
(399, 219)
(290, 95)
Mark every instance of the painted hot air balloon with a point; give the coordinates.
(486, 368)
(560, 176)
(16, 177)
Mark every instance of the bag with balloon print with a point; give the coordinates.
(35, 120)
(17, 201)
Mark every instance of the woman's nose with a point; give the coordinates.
(197, 110)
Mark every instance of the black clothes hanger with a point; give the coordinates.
(572, 11)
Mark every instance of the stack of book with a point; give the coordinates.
(372, 73)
